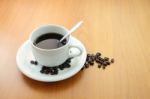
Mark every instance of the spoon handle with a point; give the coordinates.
(72, 30)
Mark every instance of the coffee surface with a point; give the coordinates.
(49, 41)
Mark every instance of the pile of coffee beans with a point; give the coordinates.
(49, 70)
(102, 62)
(53, 70)
(90, 60)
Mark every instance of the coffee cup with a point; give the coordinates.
(53, 56)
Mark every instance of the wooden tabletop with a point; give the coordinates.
(116, 28)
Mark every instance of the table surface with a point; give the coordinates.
(116, 28)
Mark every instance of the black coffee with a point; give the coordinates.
(49, 41)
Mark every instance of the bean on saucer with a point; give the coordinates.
(35, 62)
(32, 62)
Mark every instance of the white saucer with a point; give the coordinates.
(24, 56)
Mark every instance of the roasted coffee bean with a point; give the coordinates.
(98, 54)
(68, 60)
(42, 71)
(52, 71)
(104, 63)
(90, 60)
(47, 71)
(91, 63)
(87, 58)
(86, 66)
(86, 63)
(106, 59)
(101, 61)
(67, 65)
(56, 72)
(61, 67)
(82, 68)
(97, 60)
(88, 55)
(112, 60)
(104, 67)
(64, 65)
(35, 62)
(93, 57)
(32, 62)
(53, 67)
(44, 67)
(99, 65)
(108, 63)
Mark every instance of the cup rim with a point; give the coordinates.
(47, 50)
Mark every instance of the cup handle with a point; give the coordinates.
(74, 51)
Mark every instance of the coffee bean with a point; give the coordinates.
(106, 59)
(54, 71)
(104, 63)
(68, 60)
(101, 61)
(61, 67)
(98, 54)
(47, 71)
(86, 65)
(82, 68)
(32, 62)
(87, 58)
(42, 71)
(64, 65)
(67, 65)
(104, 67)
(55, 68)
(97, 60)
(99, 65)
(90, 60)
(35, 62)
(91, 63)
(93, 57)
(88, 55)
(108, 63)
(112, 60)
(44, 67)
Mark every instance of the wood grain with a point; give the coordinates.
(116, 28)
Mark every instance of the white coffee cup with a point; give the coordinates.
(53, 57)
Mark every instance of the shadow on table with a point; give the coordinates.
(53, 86)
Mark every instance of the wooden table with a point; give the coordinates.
(116, 28)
